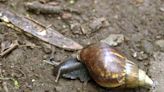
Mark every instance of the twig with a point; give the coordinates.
(16, 84)
(20, 70)
(3, 78)
(14, 46)
(51, 62)
(43, 8)
(31, 46)
(47, 8)
(5, 86)
(35, 21)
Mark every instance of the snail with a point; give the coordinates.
(107, 67)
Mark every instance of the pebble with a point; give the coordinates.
(71, 1)
(46, 48)
(137, 37)
(33, 80)
(98, 23)
(162, 9)
(5, 45)
(160, 43)
(114, 39)
(139, 1)
(66, 15)
(142, 56)
(147, 46)
(76, 28)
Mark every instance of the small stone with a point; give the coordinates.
(135, 54)
(45, 56)
(5, 45)
(58, 89)
(64, 26)
(30, 44)
(72, 1)
(76, 28)
(139, 1)
(162, 9)
(4, 18)
(114, 39)
(66, 15)
(142, 56)
(44, 1)
(160, 43)
(53, 3)
(84, 29)
(46, 48)
(33, 80)
(116, 16)
(98, 23)
(148, 46)
(158, 37)
(137, 37)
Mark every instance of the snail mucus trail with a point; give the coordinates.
(107, 67)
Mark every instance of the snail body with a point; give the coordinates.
(109, 68)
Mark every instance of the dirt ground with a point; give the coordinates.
(140, 21)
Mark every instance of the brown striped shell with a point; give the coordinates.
(110, 72)
(109, 68)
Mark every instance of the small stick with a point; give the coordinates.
(55, 64)
(5, 86)
(15, 45)
(47, 8)
(43, 8)
(2, 78)
(52, 62)
(35, 21)
(29, 46)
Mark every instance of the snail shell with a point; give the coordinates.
(109, 68)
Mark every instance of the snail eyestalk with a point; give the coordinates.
(58, 75)
(67, 66)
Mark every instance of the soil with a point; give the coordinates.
(140, 21)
